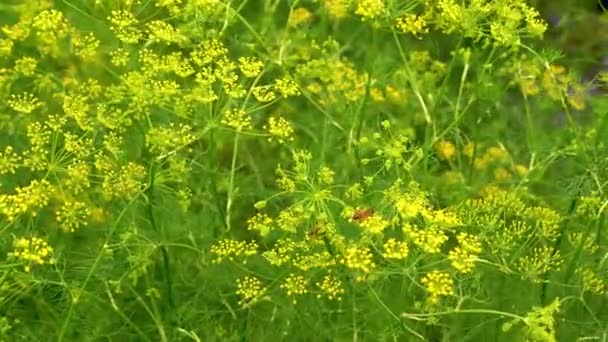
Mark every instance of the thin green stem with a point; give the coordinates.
(463, 311)
(463, 78)
(413, 84)
(164, 252)
(100, 254)
(231, 182)
(392, 314)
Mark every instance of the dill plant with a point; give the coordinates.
(182, 170)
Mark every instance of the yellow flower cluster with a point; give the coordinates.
(394, 249)
(9, 160)
(284, 181)
(412, 23)
(263, 93)
(231, 249)
(78, 177)
(249, 289)
(446, 150)
(50, 26)
(589, 245)
(307, 260)
(72, 215)
(325, 175)
(27, 199)
(333, 80)
(588, 206)
(540, 261)
(411, 206)
(592, 282)
(463, 257)
(429, 239)
(495, 159)
(286, 87)
(551, 80)
(438, 284)
(161, 31)
(163, 140)
(299, 16)
(337, 9)
(300, 254)
(282, 252)
(374, 224)
(26, 66)
(39, 137)
(124, 26)
(261, 222)
(32, 251)
(250, 66)
(331, 287)
(238, 119)
(295, 285)
(279, 129)
(85, 45)
(126, 183)
(119, 57)
(507, 21)
(208, 51)
(547, 221)
(359, 258)
(393, 150)
(369, 9)
(24, 103)
(441, 218)
(540, 323)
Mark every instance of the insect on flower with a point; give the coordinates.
(362, 214)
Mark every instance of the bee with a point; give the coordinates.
(362, 214)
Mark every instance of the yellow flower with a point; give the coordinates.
(299, 16)
(359, 258)
(464, 256)
(260, 222)
(438, 284)
(32, 251)
(394, 249)
(337, 9)
(592, 282)
(72, 215)
(250, 66)
(23, 103)
(295, 285)
(411, 23)
(231, 249)
(286, 87)
(369, 9)
(446, 150)
(279, 129)
(237, 119)
(249, 289)
(331, 287)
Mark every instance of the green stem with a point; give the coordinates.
(579, 251)
(96, 262)
(164, 252)
(392, 314)
(465, 311)
(558, 242)
(231, 182)
(413, 84)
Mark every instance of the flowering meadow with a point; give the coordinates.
(303, 170)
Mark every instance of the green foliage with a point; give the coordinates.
(189, 170)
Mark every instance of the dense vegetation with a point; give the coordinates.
(265, 170)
